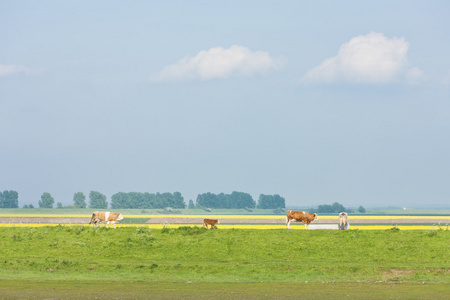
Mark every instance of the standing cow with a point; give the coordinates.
(343, 220)
(108, 217)
(299, 216)
(210, 222)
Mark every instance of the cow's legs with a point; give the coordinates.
(306, 226)
(288, 224)
(114, 224)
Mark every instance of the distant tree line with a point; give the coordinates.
(237, 200)
(336, 208)
(147, 200)
(233, 200)
(271, 201)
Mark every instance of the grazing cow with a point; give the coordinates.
(210, 222)
(299, 216)
(108, 217)
(343, 220)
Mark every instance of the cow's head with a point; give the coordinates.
(120, 217)
(315, 217)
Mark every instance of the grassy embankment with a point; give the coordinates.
(195, 254)
(129, 263)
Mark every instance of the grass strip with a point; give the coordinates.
(62, 289)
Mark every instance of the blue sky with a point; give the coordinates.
(318, 101)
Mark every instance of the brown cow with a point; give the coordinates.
(210, 222)
(343, 220)
(299, 216)
(108, 217)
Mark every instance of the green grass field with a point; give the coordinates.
(177, 260)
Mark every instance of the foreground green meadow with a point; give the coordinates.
(195, 262)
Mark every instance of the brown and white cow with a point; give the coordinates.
(299, 216)
(108, 217)
(343, 220)
(210, 222)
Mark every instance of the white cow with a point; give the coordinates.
(343, 220)
(108, 217)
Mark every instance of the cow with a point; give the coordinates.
(108, 217)
(343, 220)
(299, 216)
(210, 222)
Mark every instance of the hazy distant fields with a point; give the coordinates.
(231, 221)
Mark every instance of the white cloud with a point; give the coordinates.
(219, 63)
(8, 70)
(371, 58)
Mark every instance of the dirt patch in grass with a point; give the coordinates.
(396, 274)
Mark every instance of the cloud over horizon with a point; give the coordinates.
(371, 58)
(219, 62)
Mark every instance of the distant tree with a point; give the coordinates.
(271, 202)
(59, 205)
(97, 200)
(25, 206)
(337, 207)
(362, 210)
(207, 200)
(325, 209)
(334, 208)
(120, 200)
(9, 199)
(191, 204)
(242, 200)
(46, 201)
(233, 200)
(176, 200)
(79, 200)
(31, 206)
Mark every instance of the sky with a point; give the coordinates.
(316, 101)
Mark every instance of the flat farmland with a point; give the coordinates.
(361, 222)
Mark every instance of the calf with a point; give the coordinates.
(108, 217)
(210, 222)
(343, 220)
(299, 216)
